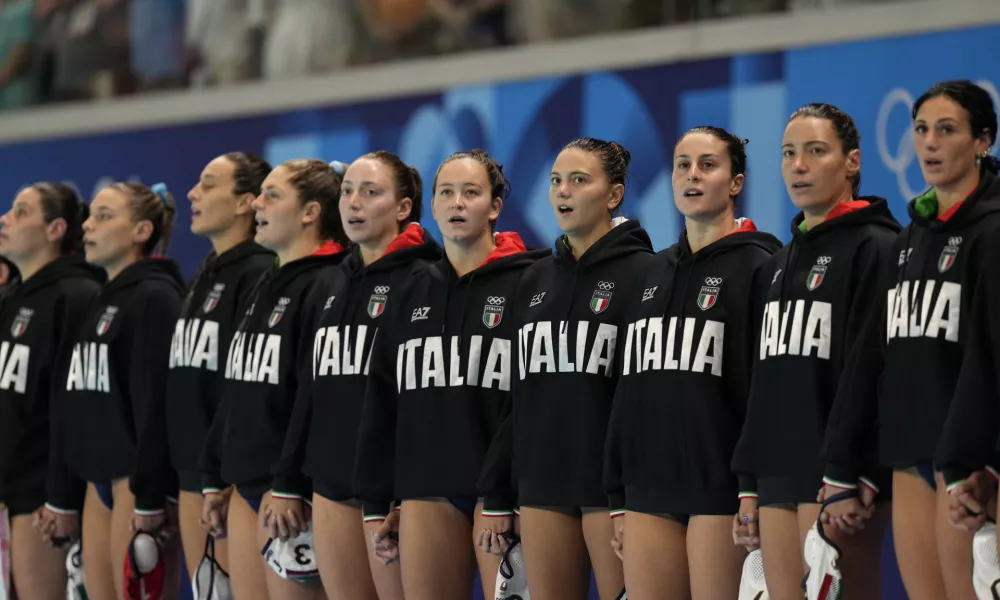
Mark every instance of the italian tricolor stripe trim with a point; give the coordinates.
(149, 513)
(839, 484)
(285, 496)
(374, 518)
(868, 483)
(952, 486)
(748, 495)
(497, 513)
(617, 513)
(61, 511)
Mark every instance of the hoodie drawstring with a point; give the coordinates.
(569, 305)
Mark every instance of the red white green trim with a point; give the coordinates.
(210, 490)
(285, 496)
(993, 472)
(618, 512)
(374, 518)
(61, 511)
(868, 483)
(150, 513)
(752, 495)
(517, 511)
(843, 485)
(498, 513)
(953, 485)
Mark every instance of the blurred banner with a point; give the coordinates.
(524, 124)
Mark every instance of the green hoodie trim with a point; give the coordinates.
(802, 226)
(926, 205)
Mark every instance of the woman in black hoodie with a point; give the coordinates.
(930, 280)
(115, 387)
(220, 211)
(685, 372)
(297, 218)
(40, 312)
(380, 208)
(814, 300)
(439, 389)
(570, 307)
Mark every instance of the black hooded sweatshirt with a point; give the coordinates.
(210, 313)
(928, 283)
(265, 356)
(39, 321)
(684, 377)
(115, 391)
(440, 379)
(570, 316)
(322, 438)
(815, 299)
(970, 436)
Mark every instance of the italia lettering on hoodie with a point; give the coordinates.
(263, 371)
(928, 284)
(114, 394)
(817, 294)
(685, 373)
(38, 323)
(570, 314)
(322, 438)
(440, 382)
(969, 440)
(209, 315)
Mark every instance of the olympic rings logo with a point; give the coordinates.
(713, 281)
(495, 300)
(381, 289)
(899, 159)
(607, 286)
(954, 241)
(824, 260)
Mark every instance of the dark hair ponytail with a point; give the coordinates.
(409, 184)
(843, 125)
(499, 186)
(978, 106)
(735, 146)
(60, 201)
(614, 157)
(154, 204)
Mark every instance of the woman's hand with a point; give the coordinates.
(745, 532)
(215, 511)
(618, 540)
(385, 537)
(284, 518)
(491, 539)
(57, 529)
(968, 499)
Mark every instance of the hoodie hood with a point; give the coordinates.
(984, 200)
(867, 210)
(161, 269)
(61, 268)
(237, 253)
(625, 238)
(745, 235)
(413, 243)
(510, 253)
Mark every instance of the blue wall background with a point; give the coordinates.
(525, 123)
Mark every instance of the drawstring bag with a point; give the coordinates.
(985, 570)
(824, 581)
(512, 583)
(294, 559)
(622, 595)
(145, 570)
(76, 587)
(210, 581)
(752, 585)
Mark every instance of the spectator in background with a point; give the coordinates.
(219, 41)
(17, 49)
(541, 20)
(307, 37)
(156, 34)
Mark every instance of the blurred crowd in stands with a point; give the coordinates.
(66, 50)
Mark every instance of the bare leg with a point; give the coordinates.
(489, 564)
(715, 562)
(555, 554)
(434, 551)
(656, 560)
(98, 569)
(598, 529)
(954, 550)
(246, 565)
(341, 552)
(913, 529)
(286, 589)
(781, 551)
(38, 571)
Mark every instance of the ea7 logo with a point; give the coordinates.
(648, 293)
(420, 313)
(537, 299)
(775, 278)
(904, 256)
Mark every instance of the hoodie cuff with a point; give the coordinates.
(212, 483)
(616, 503)
(954, 476)
(747, 485)
(375, 511)
(149, 506)
(499, 505)
(841, 475)
(292, 486)
(59, 510)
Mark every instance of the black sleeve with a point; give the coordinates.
(851, 432)
(496, 483)
(65, 491)
(210, 459)
(612, 476)
(153, 477)
(749, 342)
(969, 438)
(289, 482)
(375, 466)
